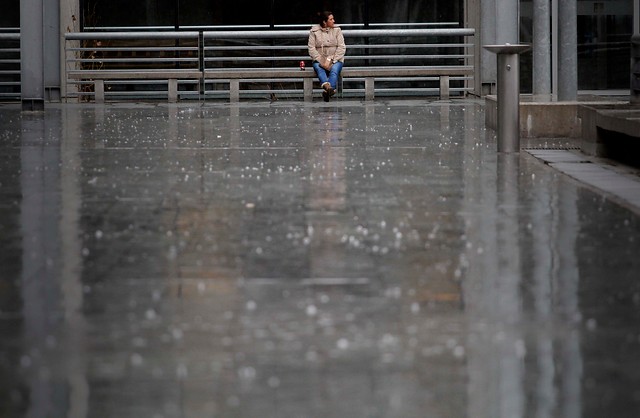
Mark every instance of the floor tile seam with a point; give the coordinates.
(320, 146)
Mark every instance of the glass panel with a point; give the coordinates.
(526, 37)
(10, 16)
(128, 13)
(275, 12)
(411, 11)
(604, 33)
(224, 12)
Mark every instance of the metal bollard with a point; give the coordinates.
(634, 97)
(508, 95)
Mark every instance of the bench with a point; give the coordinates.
(94, 59)
(403, 61)
(308, 76)
(443, 73)
(235, 76)
(400, 55)
(98, 78)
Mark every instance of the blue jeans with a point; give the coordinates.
(330, 76)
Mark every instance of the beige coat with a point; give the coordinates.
(326, 44)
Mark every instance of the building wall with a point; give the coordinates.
(604, 26)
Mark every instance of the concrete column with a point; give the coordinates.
(507, 22)
(634, 92)
(32, 54)
(567, 50)
(487, 32)
(69, 22)
(472, 19)
(636, 17)
(541, 47)
(499, 25)
(51, 21)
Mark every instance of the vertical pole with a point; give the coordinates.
(634, 93)
(567, 50)
(507, 22)
(487, 35)
(508, 102)
(541, 47)
(32, 54)
(554, 47)
(51, 51)
(636, 17)
(70, 16)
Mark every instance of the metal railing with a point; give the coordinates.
(130, 51)
(9, 64)
(257, 48)
(365, 48)
(266, 27)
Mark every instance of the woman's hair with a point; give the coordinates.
(322, 17)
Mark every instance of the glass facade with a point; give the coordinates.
(270, 13)
(10, 16)
(604, 44)
(604, 27)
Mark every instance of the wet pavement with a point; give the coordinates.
(295, 259)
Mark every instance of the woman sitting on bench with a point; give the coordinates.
(327, 49)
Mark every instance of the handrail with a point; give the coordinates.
(9, 36)
(275, 34)
(267, 34)
(228, 49)
(79, 36)
(247, 27)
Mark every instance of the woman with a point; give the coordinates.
(327, 49)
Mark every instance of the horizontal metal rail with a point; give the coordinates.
(351, 46)
(247, 48)
(10, 63)
(80, 36)
(348, 33)
(133, 49)
(158, 62)
(266, 27)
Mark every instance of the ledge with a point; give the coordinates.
(540, 117)
(611, 131)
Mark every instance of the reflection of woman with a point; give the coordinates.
(327, 48)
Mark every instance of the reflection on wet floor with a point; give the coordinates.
(297, 259)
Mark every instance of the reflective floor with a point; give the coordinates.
(305, 260)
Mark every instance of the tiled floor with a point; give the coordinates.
(306, 260)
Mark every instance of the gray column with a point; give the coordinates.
(51, 41)
(636, 17)
(567, 50)
(541, 47)
(499, 25)
(472, 19)
(69, 22)
(507, 22)
(32, 54)
(487, 32)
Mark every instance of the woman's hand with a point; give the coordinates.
(326, 64)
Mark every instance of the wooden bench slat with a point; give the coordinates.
(406, 71)
(258, 73)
